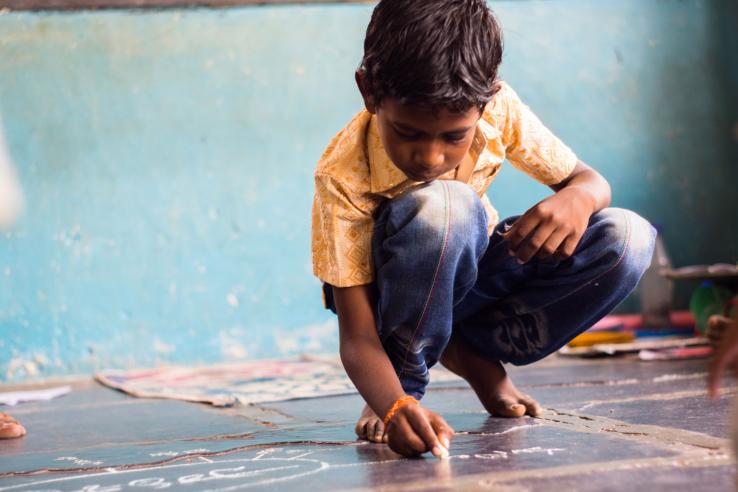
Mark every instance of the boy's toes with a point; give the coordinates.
(375, 430)
(369, 426)
(360, 428)
(11, 430)
(507, 407)
(371, 429)
(532, 407)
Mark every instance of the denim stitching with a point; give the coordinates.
(441, 256)
(617, 263)
(626, 244)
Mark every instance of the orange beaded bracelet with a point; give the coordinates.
(401, 402)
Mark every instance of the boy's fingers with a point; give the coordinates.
(404, 439)
(537, 240)
(552, 244)
(568, 247)
(422, 428)
(519, 232)
(444, 431)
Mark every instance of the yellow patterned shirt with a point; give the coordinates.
(354, 175)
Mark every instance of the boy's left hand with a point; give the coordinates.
(553, 227)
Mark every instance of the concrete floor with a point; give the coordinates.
(609, 425)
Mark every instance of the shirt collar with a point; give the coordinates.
(385, 175)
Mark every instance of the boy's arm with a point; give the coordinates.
(415, 430)
(362, 353)
(555, 225)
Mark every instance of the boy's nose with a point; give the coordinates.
(429, 156)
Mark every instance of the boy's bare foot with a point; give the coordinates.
(10, 428)
(370, 427)
(489, 380)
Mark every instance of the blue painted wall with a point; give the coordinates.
(167, 159)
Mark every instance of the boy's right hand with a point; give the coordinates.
(415, 430)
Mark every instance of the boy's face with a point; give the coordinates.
(425, 144)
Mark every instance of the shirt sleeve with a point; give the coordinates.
(341, 235)
(530, 146)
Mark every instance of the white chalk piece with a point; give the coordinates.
(443, 455)
(11, 197)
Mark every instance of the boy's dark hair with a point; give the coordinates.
(437, 53)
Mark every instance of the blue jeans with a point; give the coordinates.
(437, 272)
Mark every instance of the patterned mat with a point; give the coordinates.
(244, 383)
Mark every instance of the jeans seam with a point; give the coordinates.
(613, 267)
(435, 278)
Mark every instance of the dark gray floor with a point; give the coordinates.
(608, 425)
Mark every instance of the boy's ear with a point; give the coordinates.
(360, 77)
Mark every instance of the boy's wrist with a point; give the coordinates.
(398, 405)
(585, 197)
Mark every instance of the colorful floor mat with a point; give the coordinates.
(243, 383)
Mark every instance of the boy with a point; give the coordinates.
(409, 248)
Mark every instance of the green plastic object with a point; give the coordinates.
(708, 299)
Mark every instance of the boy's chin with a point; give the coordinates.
(422, 178)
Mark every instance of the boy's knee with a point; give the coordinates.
(442, 206)
(631, 237)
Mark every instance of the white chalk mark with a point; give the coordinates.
(494, 455)
(677, 377)
(321, 466)
(99, 488)
(150, 483)
(179, 453)
(79, 461)
(294, 463)
(506, 431)
(537, 449)
(300, 456)
(265, 452)
(365, 463)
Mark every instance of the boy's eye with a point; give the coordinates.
(455, 137)
(407, 135)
